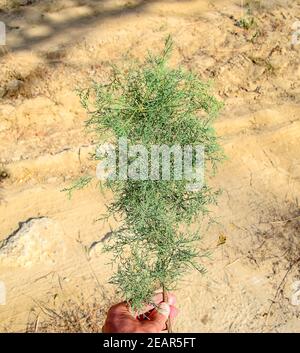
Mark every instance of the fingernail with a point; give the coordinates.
(164, 309)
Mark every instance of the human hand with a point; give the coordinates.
(120, 320)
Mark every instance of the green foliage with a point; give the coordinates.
(151, 103)
(246, 23)
(81, 183)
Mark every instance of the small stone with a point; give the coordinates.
(37, 241)
(13, 86)
(3, 174)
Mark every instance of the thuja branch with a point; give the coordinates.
(153, 104)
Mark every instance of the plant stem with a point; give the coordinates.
(168, 323)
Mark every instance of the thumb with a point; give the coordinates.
(158, 318)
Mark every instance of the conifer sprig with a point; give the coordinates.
(149, 104)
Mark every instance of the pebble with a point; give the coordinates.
(13, 86)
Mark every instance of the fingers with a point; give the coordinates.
(119, 309)
(173, 312)
(157, 319)
(158, 298)
(119, 319)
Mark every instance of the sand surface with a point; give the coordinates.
(50, 251)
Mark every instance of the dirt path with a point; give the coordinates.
(52, 255)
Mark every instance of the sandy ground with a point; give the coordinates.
(49, 252)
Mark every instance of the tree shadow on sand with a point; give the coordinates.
(95, 12)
